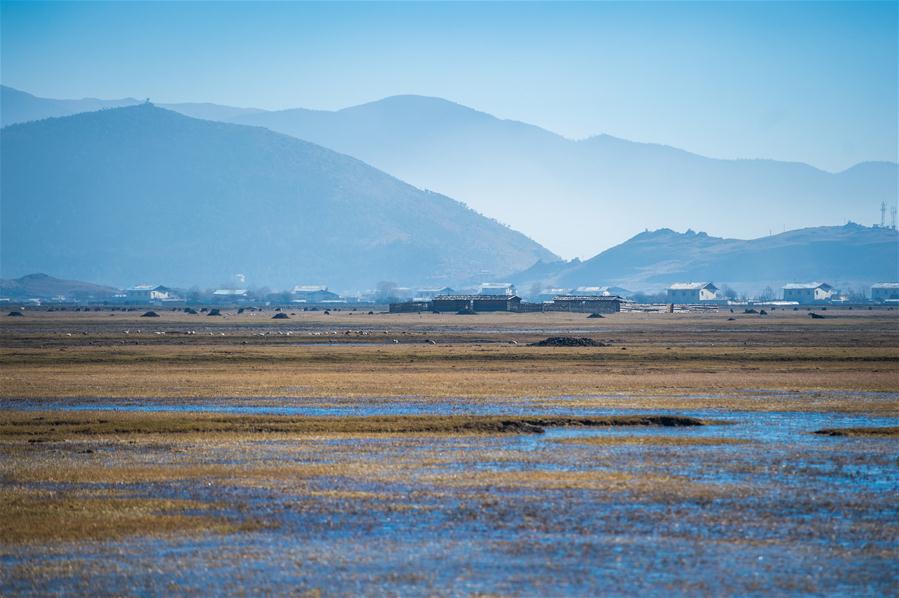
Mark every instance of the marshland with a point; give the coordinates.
(437, 454)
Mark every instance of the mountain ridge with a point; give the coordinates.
(153, 192)
(843, 255)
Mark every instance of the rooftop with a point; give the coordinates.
(690, 286)
(807, 285)
(587, 298)
(475, 297)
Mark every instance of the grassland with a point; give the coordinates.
(651, 358)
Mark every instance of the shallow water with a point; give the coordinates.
(786, 512)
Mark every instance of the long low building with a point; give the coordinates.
(457, 303)
(476, 303)
(585, 304)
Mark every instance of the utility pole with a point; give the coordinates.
(883, 214)
(893, 217)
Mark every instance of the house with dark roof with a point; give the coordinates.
(598, 304)
(475, 303)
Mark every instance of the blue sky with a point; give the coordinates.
(812, 82)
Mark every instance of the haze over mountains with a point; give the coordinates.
(575, 197)
(845, 256)
(580, 197)
(143, 194)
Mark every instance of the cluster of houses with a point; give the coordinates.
(491, 297)
(149, 294)
(802, 293)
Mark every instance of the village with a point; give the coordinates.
(487, 297)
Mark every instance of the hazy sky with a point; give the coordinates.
(812, 82)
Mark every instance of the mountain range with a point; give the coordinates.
(143, 194)
(580, 197)
(844, 256)
(576, 197)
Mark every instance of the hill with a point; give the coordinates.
(19, 106)
(580, 197)
(145, 194)
(42, 286)
(848, 256)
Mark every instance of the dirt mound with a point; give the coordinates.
(568, 341)
(280, 316)
(14, 314)
(815, 316)
(149, 314)
(595, 315)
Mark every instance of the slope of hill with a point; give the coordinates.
(43, 286)
(844, 255)
(19, 106)
(144, 194)
(580, 197)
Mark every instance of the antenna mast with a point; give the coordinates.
(883, 214)
(893, 217)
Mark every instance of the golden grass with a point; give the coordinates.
(31, 515)
(647, 485)
(649, 354)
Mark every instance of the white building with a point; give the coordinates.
(808, 292)
(146, 293)
(497, 288)
(230, 295)
(885, 291)
(692, 292)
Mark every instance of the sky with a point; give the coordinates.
(808, 81)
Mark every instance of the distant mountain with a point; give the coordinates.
(42, 286)
(18, 106)
(208, 111)
(580, 197)
(145, 194)
(847, 255)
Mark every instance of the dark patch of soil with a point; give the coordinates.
(568, 341)
(595, 315)
(280, 316)
(149, 314)
(14, 314)
(890, 431)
